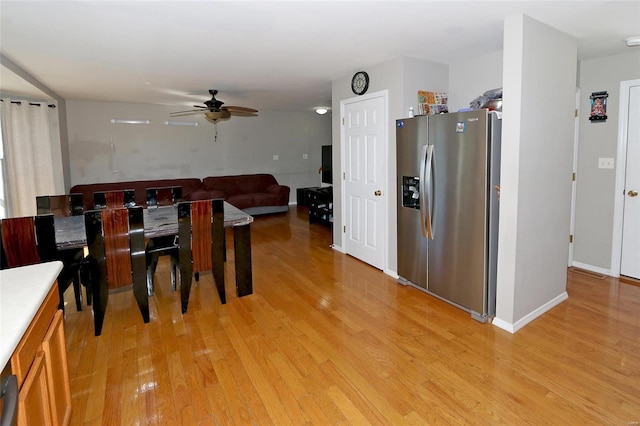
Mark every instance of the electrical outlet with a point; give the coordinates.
(305, 156)
(605, 163)
(276, 157)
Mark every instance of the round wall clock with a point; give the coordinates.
(360, 82)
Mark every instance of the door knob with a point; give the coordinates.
(377, 193)
(632, 193)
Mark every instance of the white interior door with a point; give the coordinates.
(630, 257)
(364, 141)
(576, 140)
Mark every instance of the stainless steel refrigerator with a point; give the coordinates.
(448, 168)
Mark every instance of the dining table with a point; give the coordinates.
(163, 221)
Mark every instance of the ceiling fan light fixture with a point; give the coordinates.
(632, 41)
(127, 121)
(322, 110)
(181, 123)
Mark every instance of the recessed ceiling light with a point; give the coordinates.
(632, 41)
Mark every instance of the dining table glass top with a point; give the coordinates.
(158, 222)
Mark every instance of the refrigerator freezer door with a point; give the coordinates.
(457, 256)
(411, 137)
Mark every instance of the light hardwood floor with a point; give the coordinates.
(326, 339)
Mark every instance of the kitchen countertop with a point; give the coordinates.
(22, 291)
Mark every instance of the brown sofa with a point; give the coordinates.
(255, 193)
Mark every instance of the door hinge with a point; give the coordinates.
(571, 238)
(344, 175)
(343, 121)
(573, 176)
(576, 112)
(344, 229)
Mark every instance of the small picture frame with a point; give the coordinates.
(598, 110)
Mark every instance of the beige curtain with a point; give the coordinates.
(26, 137)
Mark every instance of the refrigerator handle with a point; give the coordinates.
(432, 191)
(426, 192)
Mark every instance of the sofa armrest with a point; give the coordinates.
(282, 191)
(278, 189)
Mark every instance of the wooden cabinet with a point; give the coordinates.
(33, 402)
(40, 365)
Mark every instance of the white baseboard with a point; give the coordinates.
(391, 273)
(592, 268)
(512, 328)
(337, 248)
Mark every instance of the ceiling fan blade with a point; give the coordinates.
(191, 111)
(200, 106)
(239, 108)
(243, 114)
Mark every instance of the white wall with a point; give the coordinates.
(537, 149)
(595, 187)
(471, 77)
(243, 145)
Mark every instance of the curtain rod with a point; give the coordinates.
(30, 103)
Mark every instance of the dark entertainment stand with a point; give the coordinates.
(319, 200)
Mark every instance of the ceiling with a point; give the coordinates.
(264, 54)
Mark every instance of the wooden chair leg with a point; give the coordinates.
(242, 247)
(100, 299)
(77, 292)
(173, 275)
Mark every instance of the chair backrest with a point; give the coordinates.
(200, 223)
(201, 244)
(27, 241)
(60, 205)
(115, 238)
(165, 196)
(112, 235)
(114, 199)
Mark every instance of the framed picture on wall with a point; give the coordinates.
(598, 111)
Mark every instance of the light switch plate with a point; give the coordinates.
(276, 157)
(605, 163)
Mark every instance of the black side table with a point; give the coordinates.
(321, 205)
(302, 195)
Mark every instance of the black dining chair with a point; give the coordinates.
(165, 245)
(163, 196)
(114, 199)
(200, 245)
(115, 238)
(32, 239)
(60, 205)
(63, 206)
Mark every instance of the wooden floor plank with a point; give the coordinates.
(327, 339)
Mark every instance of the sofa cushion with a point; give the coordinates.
(243, 201)
(202, 194)
(240, 184)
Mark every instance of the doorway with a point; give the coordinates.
(625, 252)
(364, 181)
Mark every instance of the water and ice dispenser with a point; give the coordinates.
(411, 192)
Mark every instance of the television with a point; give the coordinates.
(327, 171)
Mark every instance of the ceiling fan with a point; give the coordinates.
(214, 109)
